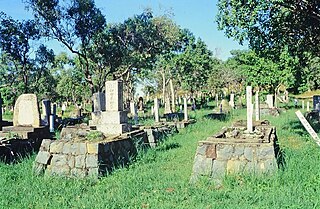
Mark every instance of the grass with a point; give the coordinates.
(160, 177)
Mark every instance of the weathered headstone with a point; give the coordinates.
(257, 106)
(307, 126)
(46, 111)
(167, 106)
(26, 111)
(114, 119)
(270, 100)
(249, 109)
(156, 110)
(231, 102)
(99, 102)
(316, 102)
(132, 108)
(185, 105)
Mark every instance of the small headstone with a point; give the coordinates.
(99, 102)
(231, 102)
(249, 109)
(156, 110)
(185, 104)
(46, 111)
(270, 100)
(316, 102)
(132, 108)
(26, 111)
(257, 106)
(307, 126)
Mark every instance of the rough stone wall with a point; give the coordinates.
(82, 158)
(216, 159)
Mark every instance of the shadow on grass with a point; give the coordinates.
(170, 146)
(217, 116)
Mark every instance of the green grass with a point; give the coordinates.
(160, 177)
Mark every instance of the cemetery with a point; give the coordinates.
(147, 104)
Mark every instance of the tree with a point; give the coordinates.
(15, 45)
(74, 24)
(269, 26)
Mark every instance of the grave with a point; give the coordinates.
(245, 147)
(114, 119)
(26, 133)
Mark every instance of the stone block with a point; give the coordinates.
(91, 161)
(219, 168)
(26, 111)
(265, 152)
(74, 148)
(236, 166)
(56, 147)
(113, 128)
(66, 148)
(116, 117)
(43, 157)
(248, 153)
(45, 144)
(92, 148)
(224, 151)
(80, 161)
(238, 151)
(93, 172)
(78, 173)
(269, 165)
(59, 160)
(71, 161)
(82, 149)
(202, 165)
(58, 170)
(201, 150)
(211, 151)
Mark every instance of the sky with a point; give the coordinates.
(196, 15)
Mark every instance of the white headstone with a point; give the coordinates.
(114, 95)
(257, 106)
(270, 100)
(231, 102)
(303, 104)
(307, 126)
(217, 100)
(26, 111)
(132, 108)
(185, 104)
(249, 109)
(156, 110)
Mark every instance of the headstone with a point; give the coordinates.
(167, 107)
(307, 126)
(185, 104)
(270, 100)
(114, 119)
(257, 106)
(156, 110)
(308, 106)
(303, 104)
(0, 110)
(46, 111)
(232, 101)
(99, 102)
(217, 100)
(51, 123)
(316, 102)
(140, 104)
(249, 109)
(132, 108)
(152, 110)
(26, 111)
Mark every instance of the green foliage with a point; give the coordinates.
(270, 26)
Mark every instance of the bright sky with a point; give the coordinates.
(196, 15)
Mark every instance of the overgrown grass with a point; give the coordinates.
(160, 177)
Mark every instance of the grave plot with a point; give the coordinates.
(246, 147)
(27, 131)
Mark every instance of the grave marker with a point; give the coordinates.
(26, 111)
(185, 109)
(156, 110)
(307, 126)
(257, 106)
(249, 109)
